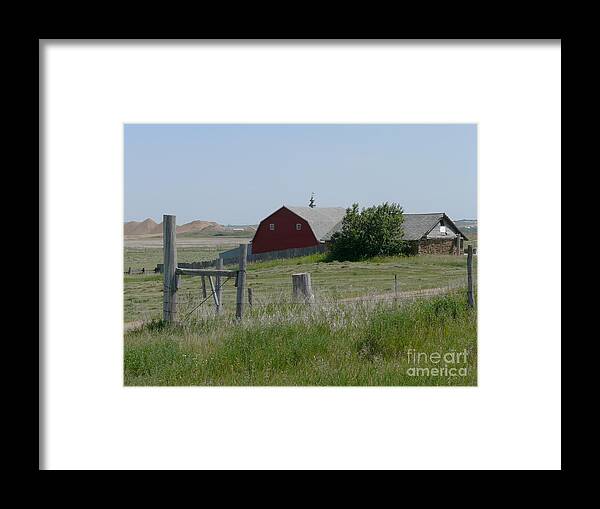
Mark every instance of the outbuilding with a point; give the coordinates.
(433, 233)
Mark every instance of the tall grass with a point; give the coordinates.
(352, 344)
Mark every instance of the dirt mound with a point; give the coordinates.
(150, 227)
(196, 226)
(146, 227)
(214, 228)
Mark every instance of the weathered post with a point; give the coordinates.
(302, 288)
(241, 281)
(458, 245)
(170, 266)
(129, 271)
(203, 287)
(250, 297)
(214, 294)
(395, 288)
(471, 300)
(219, 289)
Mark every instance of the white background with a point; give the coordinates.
(512, 420)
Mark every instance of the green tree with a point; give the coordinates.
(372, 231)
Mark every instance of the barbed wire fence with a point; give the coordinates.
(196, 302)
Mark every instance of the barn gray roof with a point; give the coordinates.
(415, 225)
(320, 219)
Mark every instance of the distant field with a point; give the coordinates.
(203, 235)
(147, 252)
(271, 280)
(472, 241)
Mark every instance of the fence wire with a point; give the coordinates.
(212, 295)
(270, 293)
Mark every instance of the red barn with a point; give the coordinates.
(295, 227)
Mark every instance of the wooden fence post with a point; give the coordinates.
(302, 288)
(203, 287)
(219, 289)
(241, 281)
(170, 266)
(214, 294)
(395, 288)
(129, 271)
(471, 300)
(250, 298)
(458, 245)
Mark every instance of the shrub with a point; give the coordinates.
(372, 231)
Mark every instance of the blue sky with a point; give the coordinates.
(238, 174)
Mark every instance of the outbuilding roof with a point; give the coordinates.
(418, 225)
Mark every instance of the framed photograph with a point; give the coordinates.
(300, 255)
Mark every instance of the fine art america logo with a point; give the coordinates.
(429, 364)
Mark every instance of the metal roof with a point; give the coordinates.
(320, 219)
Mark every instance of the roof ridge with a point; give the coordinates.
(422, 213)
(313, 208)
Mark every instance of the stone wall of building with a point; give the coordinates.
(437, 246)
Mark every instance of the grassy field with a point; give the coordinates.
(471, 242)
(271, 280)
(421, 342)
